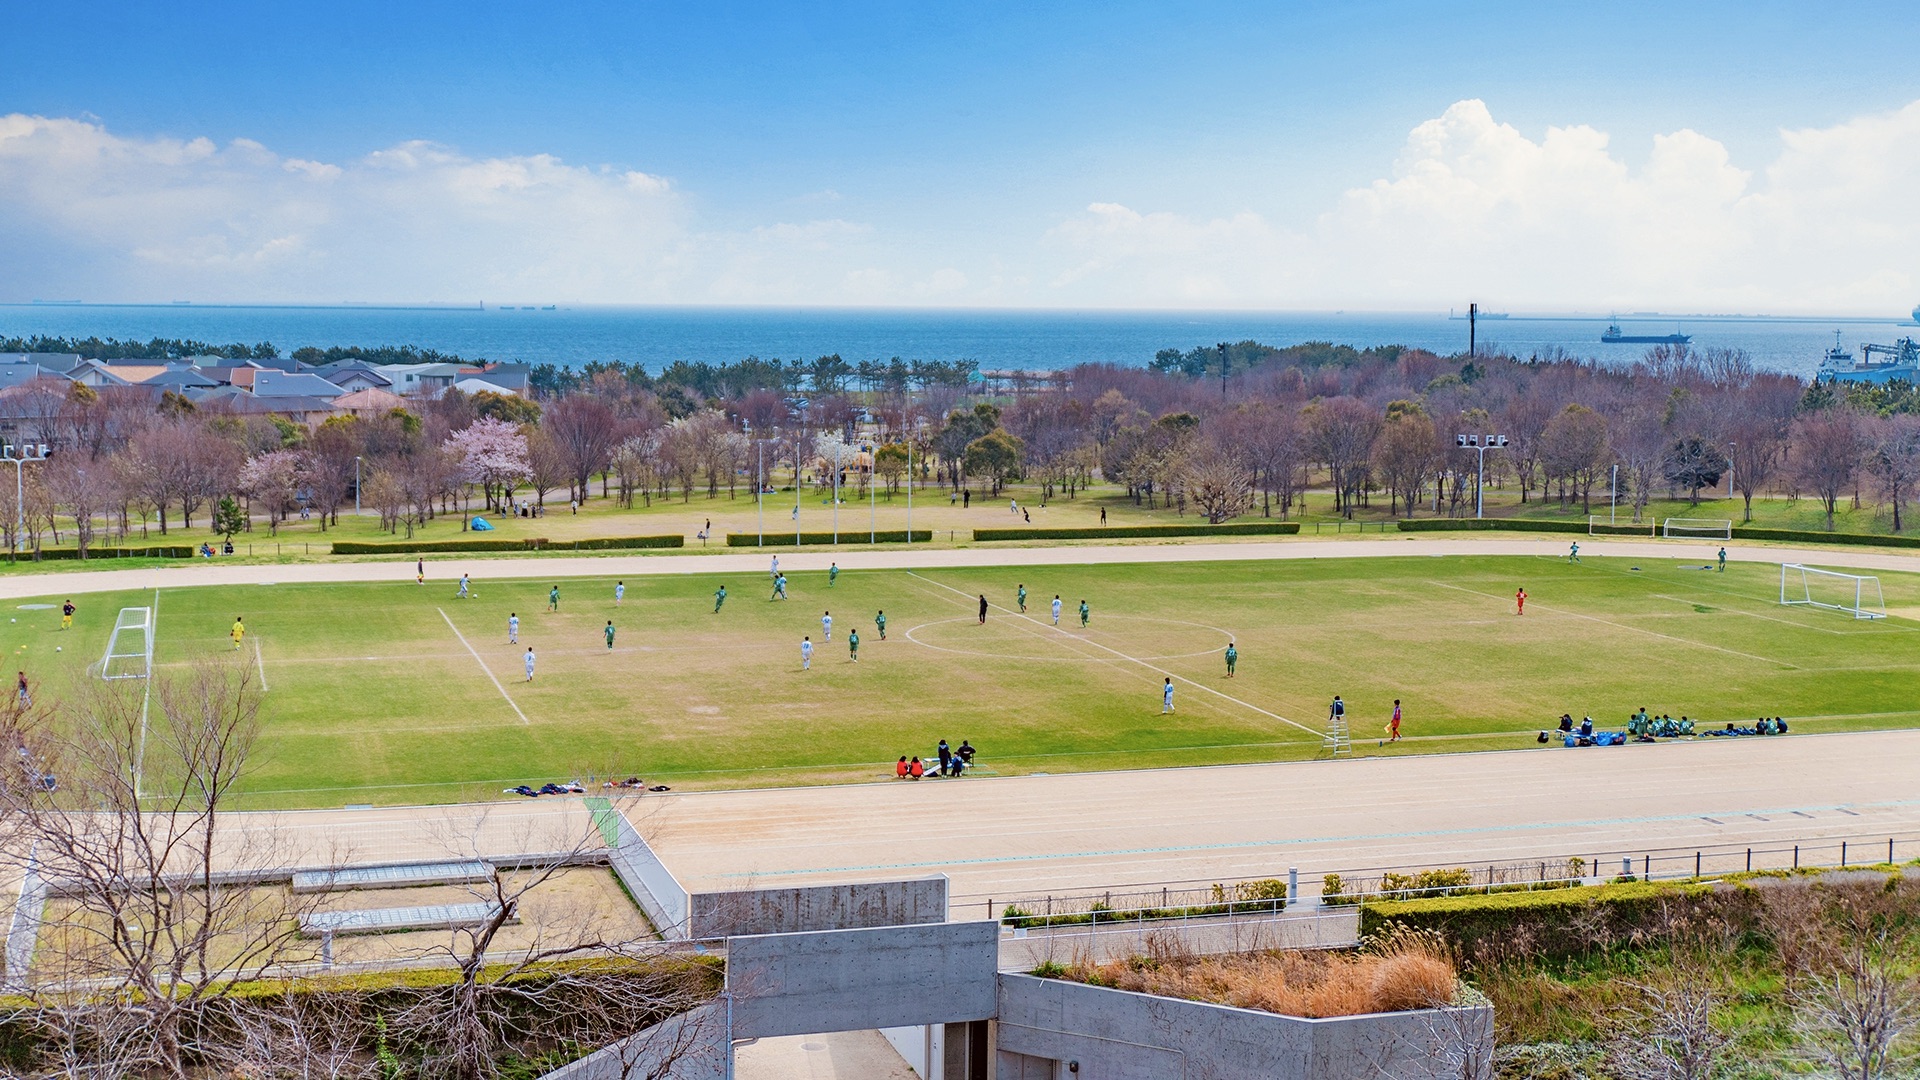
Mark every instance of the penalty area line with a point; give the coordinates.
(1130, 659)
(260, 665)
(483, 667)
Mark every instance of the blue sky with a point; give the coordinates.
(904, 153)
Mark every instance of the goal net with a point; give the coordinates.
(1855, 594)
(1705, 528)
(1598, 525)
(129, 652)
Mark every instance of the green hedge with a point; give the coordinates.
(1814, 536)
(1558, 922)
(410, 547)
(825, 539)
(1489, 524)
(1232, 528)
(99, 552)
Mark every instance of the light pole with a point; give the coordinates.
(20, 455)
(1223, 367)
(1731, 447)
(760, 489)
(356, 485)
(1613, 494)
(1480, 444)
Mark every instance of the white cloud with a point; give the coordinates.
(1475, 208)
(1471, 208)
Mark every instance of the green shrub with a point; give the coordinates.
(479, 543)
(1814, 536)
(1490, 524)
(1334, 891)
(99, 552)
(1558, 922)
(825, 539)
(1231, 528)
(1425, 883)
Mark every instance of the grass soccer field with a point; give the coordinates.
(402, 693)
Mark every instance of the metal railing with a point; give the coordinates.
(1203, 898)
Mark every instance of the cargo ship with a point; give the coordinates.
(1615, 336)
(1902, 363)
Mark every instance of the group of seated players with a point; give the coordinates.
(1642, 727)
(953, 762)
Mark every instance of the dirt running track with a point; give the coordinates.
(1020, 837)
(441, 567)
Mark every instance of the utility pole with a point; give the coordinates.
(1473, 319)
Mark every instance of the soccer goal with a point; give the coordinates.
(1598, 525)
(1856, 594)
(129, 652)
(1699, 528)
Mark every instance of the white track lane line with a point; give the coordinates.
(1129, 659)
(483, 667)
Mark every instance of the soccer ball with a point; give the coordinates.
(56, 648)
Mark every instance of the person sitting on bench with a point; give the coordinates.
(1586, 727)
(1566, 722)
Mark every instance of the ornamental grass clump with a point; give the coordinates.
(1402, 971)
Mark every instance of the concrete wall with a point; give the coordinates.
(658, 892)
(819, 907)
(848, 980)
(692, 1046)
(1115, 1035)
(922, 1047)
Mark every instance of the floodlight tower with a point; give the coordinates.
(19, 456)
(1480, 444)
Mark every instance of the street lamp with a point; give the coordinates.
(1223, 367)
(1480, 444)
(19, 456)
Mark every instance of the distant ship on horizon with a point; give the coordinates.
(1902, 362)
(1495, 315)
(1616, 336)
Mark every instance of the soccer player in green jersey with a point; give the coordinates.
(553, 598)
(1723, 560)
(1233, 657)
(833, 574)
(1022, 596)
(880, 623)
(853, 646)
(1084, 612)
(609, 633)
(719, 598)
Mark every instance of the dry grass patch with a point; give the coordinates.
(1398, 973)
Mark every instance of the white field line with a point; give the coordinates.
(260, 665)
(483, 667)
(1623, 626)
(1132, 660)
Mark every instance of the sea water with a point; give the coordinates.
(571, 335)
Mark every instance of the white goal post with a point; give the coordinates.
(129, 652)
(1856, 594)
(1598, 525)
(1703, 528)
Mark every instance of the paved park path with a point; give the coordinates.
(449, 568)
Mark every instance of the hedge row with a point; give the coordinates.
(1489, 524)
(411, 547)
(817, 539)
(1556, 922)
(97, 552)
(1232, 528)
(1813, 536)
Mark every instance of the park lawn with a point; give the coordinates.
(372, 695)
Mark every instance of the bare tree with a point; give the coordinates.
(1856, 1017)
(585, 432)
(1217, 482)
(1341, 432)
(1893, 460)
(82, 485)
(1671, 1032)
(1827, 448)
(1406, 454)
(156, 916)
